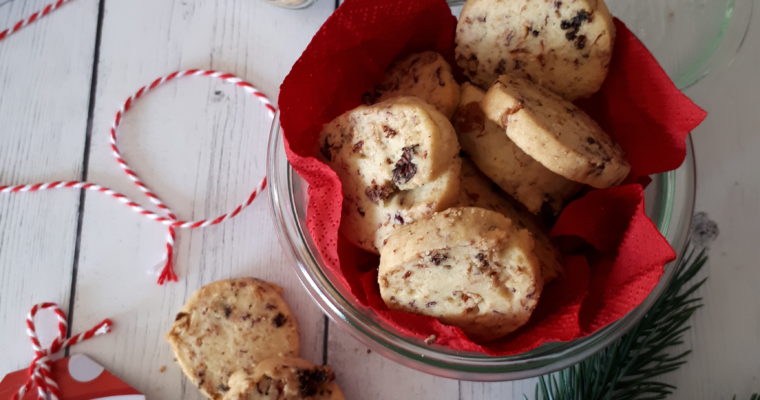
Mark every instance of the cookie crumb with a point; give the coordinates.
(430, 339)
(162, 369)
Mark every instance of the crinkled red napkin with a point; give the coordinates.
(624, 257)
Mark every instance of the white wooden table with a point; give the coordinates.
(201, 144)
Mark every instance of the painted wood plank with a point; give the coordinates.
(45, 74)
(202, 146)
(725, 334)
(497, 390)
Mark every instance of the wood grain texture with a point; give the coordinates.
(497, 390)
(45, 75)
(725, 335)
(201, 145)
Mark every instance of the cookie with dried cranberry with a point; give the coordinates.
(230, 326)
(468, 267)
(564, 45)
(397, 161)
(517, 173)
(426, 75)
(555, 132)
(285, 378)
(479, 191)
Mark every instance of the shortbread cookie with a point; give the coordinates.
(500, 159)
(425, 75)
(564, 45)
(285, 378)
(397, 162)
(555, 132)
(469, 267)
(478, 191)
(230, 326)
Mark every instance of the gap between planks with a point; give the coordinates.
(85, 165)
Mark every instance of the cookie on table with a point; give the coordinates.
(479, 191)
(555, 132)
(285, 378)
(230, 326)
(397, 161)
(564, 45)
(468, 267)
(517, 173)
(426, 75)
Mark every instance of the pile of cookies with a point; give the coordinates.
(237, 340)
(445, 180)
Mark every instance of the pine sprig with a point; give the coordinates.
(628, 368)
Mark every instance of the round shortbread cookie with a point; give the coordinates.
(500, 159)
(397, 162)
(285, 378)
(555, 132)
(230, 326)
(469, 267)
(564, 45)
(479, 191)
(425, 75)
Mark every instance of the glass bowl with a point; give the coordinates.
(670, 204)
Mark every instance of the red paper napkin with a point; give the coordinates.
(624, 254)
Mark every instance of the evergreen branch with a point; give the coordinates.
(626, 370)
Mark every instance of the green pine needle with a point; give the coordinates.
(628, 368)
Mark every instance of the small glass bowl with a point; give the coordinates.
(670, 204)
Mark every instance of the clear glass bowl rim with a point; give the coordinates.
(439, 360)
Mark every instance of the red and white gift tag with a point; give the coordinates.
(72, 378)
(78, 378)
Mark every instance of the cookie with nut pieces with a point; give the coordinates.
(229, 326)
(397, 162)
(426, 75)
(564, 45)
(497, 156)
(285, 378)
(479, 191)
(555, 132)
(468, 267)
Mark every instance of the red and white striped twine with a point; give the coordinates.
(166, 216)
(39, 375)
(30, 19)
